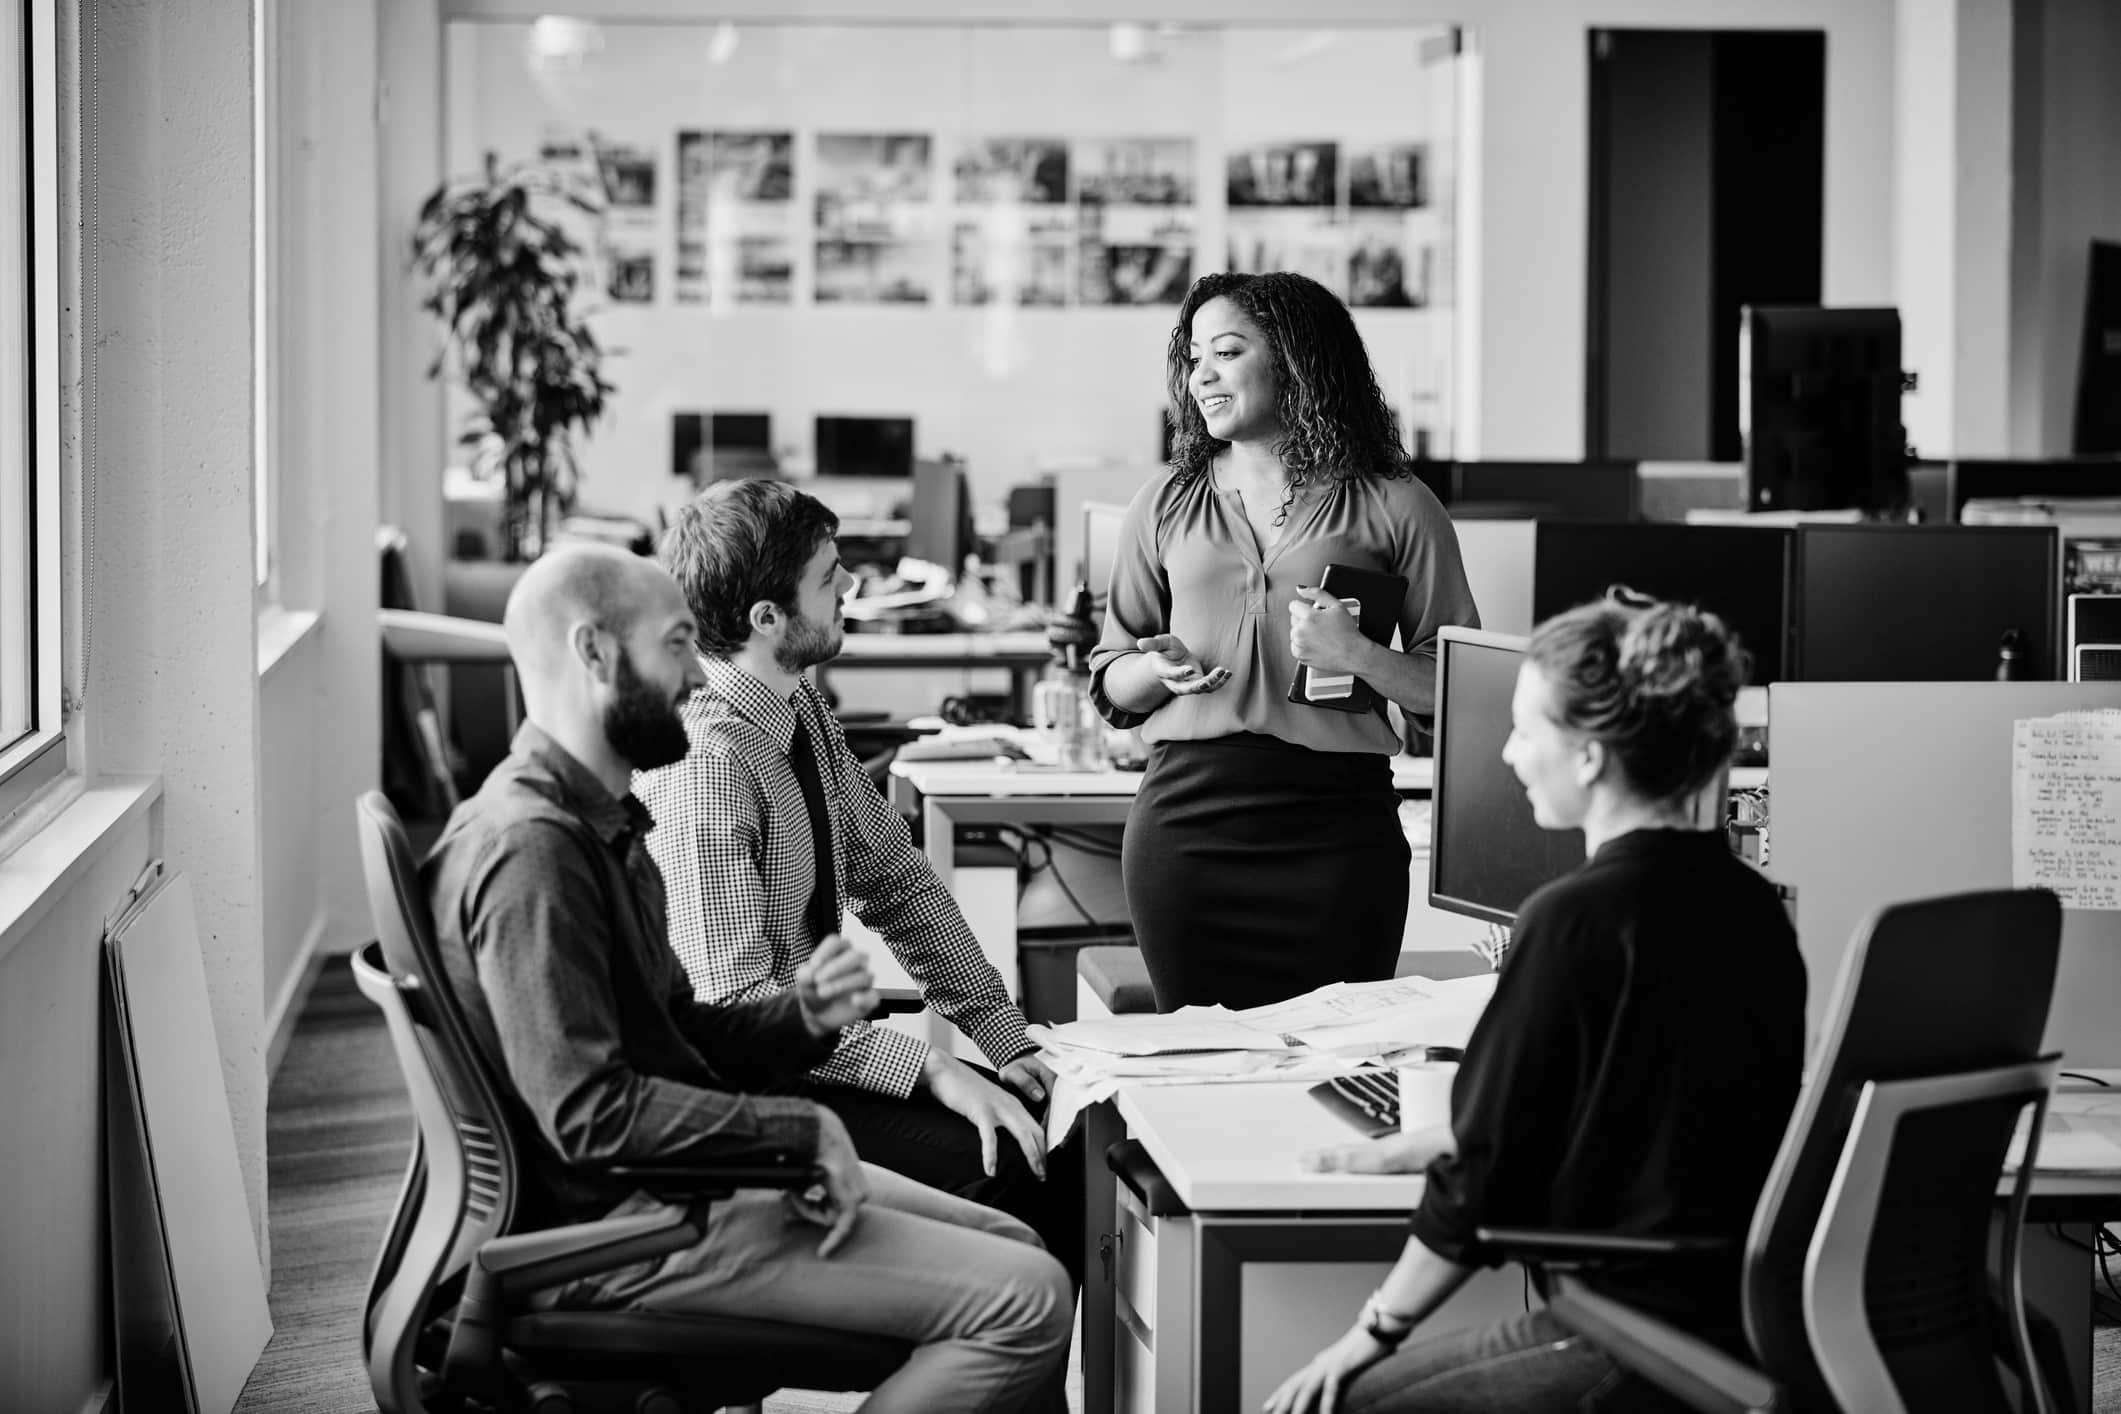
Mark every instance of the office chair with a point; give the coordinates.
(448, 1325)
(419, 763)
(1867, 1287)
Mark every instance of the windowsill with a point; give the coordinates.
(63, 841)
(280, 629)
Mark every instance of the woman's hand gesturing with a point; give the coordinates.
(1178, 667)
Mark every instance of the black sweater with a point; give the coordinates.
(1633, 1073)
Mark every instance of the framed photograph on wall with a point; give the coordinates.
(1135, 202)
(736, 236)
(1283, 174)
(1392, 176)
(1012, 228)
(875, 194)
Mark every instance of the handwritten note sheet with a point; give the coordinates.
(2066, 807)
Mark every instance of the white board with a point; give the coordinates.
(174, 1064)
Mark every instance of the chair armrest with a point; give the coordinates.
(531, 1261)
(413, 637)
(898, 1001)
(1557, 1248)
(1682, 1365)
(688, 1182)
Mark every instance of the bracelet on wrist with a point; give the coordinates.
(1388, 1328)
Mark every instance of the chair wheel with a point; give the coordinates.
(658, 1400)
(545, 1397)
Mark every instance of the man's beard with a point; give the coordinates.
(808, 644)
(641, 724)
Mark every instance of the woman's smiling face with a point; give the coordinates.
(1232, 374)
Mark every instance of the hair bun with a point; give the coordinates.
(1677, 650)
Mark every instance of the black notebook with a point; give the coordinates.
(1374, 597)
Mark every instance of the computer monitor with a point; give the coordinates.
(750, 431)
(2094, 642)
(1819, 408)
(1101, 523)
(864, 446)
(2060, 478)
(1486, 853)
(940, 516)
(1923, 603)
(1738, 573)
(1602, 490)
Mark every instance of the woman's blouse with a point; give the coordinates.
(1189, 564)
(1633, 1073)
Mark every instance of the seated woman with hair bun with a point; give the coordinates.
(1640, 1058)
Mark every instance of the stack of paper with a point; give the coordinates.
(1323, 1033)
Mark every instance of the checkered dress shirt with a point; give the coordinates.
(733, 839)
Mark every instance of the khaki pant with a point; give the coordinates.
(989, 1312)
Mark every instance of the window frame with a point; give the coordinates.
(32, 761)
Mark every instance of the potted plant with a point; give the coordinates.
(503, 274)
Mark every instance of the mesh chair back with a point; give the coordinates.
(468, 1187)
(1929, 988)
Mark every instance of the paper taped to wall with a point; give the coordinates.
(2066, 806)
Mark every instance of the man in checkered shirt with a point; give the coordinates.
(753, 889)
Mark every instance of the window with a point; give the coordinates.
(264, 157)
(31, 742)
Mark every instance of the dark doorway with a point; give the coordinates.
(1707, 178)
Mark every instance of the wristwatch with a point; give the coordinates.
(1387, 1328)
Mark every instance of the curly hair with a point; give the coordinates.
(1655, 682)
(1334, 420)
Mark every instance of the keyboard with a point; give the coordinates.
(1368, 1100)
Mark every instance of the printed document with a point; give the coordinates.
(2066, 806)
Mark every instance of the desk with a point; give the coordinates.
(945, 794)
(1025, 656)
(1214, 1306)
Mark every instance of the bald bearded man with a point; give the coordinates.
(550, 916)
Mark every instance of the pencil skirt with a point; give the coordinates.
(1257, 870)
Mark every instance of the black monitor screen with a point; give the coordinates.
(1735, 572)
(1566, 490)
(751, 431)
(1486, 853)
(1920, 603)
(865, 446)
(940, 529)
(1820, 406)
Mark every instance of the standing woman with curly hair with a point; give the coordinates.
(1264, 855)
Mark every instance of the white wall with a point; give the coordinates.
(318, 709)
(1952, 222)
(172, 682)
(54, 1300)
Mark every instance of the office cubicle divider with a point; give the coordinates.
(1883, 792)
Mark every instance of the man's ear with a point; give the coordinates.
(595, 649)
(765, 618)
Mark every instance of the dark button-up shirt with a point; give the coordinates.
(549, 914)
(1633, 1073)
